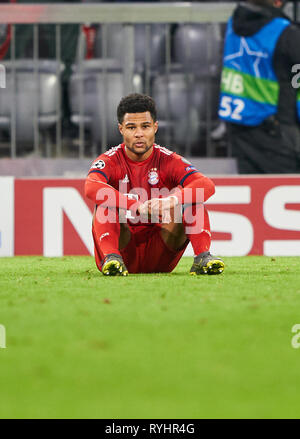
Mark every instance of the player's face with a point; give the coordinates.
(276, 3)
(138, 131)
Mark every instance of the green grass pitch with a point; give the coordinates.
(80, 345)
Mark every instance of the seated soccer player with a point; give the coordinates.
(149, 201)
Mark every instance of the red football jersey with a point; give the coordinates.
(154, 177)
(163, 169)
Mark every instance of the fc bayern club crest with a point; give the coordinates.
(153, 177)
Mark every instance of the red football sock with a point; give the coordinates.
(106, 231)
(197, 227)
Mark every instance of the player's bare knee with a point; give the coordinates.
(173, 235)
(125, 236)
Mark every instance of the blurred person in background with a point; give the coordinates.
(5, 34)
(259, 99)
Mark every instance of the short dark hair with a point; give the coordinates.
(136, 103)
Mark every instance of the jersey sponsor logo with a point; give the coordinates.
(153, 177)
(100, 164)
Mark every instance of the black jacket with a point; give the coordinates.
(249, 19)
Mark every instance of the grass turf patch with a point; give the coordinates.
(149, 346)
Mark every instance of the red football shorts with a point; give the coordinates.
(146, 251)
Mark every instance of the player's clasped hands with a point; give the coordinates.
(159, 208)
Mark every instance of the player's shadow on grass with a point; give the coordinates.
(94, 274)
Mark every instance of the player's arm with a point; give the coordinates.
(98, 189)
(187, 181)
(196, 188)
(190, 187)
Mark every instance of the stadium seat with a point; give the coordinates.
(154, 42)
(198, 47)
(102, 88)
(148, 39)
(183, 102)
(174, 96)
(30, 92)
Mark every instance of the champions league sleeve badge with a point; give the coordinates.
(100, 164)
(153, 177)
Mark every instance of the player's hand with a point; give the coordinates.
(159, 207)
